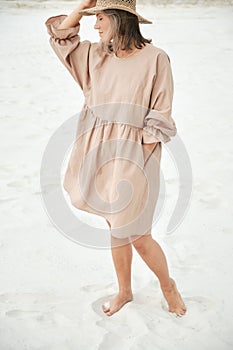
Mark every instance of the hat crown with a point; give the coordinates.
(131, 4)
(125, 5)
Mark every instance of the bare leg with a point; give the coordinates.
(154, 257)
(122, 259)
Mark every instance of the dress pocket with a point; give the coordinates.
(142, 156)
(148, 151)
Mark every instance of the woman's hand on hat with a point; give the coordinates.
(89, 3)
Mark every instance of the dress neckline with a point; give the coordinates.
(131, 55)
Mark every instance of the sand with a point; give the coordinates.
(52, 288)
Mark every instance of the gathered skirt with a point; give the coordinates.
(111, 174)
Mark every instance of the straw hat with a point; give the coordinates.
(126, 5)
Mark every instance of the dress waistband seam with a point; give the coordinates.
(105, 121)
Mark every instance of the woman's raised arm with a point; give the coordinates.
(65, 41)
(73, 19)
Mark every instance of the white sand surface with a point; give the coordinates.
(51, 289)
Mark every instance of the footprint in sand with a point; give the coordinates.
(199, 310)
(22, 314)
(123, 325)
(98, 287)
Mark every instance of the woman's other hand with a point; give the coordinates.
(150, 146)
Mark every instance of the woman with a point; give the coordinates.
(128, 88)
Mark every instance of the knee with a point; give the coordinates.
(141, 243)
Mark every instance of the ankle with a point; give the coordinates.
(125, 291)
(167, 285)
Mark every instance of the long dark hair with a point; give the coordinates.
(125, 31)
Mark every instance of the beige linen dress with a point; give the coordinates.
(128, 102)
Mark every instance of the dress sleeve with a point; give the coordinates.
(72, 52)
(158, 123)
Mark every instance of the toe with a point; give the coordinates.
(106, 307)
(181, 313)
(105, 310)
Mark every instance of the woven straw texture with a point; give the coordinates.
(126, 5)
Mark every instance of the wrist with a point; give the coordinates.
(148, 144)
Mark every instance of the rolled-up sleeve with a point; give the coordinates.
(159, 125)
(72, 52)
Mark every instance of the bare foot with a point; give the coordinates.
(116, 303)
(174, 300)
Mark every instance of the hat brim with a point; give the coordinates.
(93, 10)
